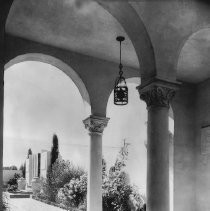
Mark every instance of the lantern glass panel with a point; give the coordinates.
(121, 93)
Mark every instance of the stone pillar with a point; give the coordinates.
(1, 129)
(157, 97)
(95, 125)
(4, 10)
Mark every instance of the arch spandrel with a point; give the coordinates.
(138, 34)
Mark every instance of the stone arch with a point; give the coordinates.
(189, 37)
(135, 29)
(61, 66)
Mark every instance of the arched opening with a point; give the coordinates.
(60, 65)
(128, 125)
(38, 104)
(130, 24)
(193, 61)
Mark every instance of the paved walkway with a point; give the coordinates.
(30, 205)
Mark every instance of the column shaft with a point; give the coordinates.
(95, 174)
(158, 160)
(95, 125)
(157, 95)
(1, 129)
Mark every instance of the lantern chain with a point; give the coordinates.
(120, 65)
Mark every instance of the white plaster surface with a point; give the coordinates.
(88, 29)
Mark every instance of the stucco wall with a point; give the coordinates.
(45, 163)
(184, 153)
(202, 161)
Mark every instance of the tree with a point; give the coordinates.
(23, 169)
(60, 174)
(116, 188)
(50, 187)
(13, 167)
(118, 193)
(10, 167)
(104, 173)
(6, 168)
(54, 150)
(29, 152)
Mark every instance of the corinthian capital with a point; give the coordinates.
(96, 124)
(157, 94)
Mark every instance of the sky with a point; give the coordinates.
(41, 100)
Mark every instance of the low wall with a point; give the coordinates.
(9, 174)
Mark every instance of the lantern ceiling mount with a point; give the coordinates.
(120, 38)
(120, 89)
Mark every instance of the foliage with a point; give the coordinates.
(12, 183)
(12, 188)
(118, 194)
(60, 174)
(67, 186)
(135, 199)
(23, 169)
(29, 152)
(73, 194)
(143, 208)
(13, 167)
(116, 191)
(54, 150)
(52, 184)
(4, 202)
(104, 169)
(10, 168)
(6, 168)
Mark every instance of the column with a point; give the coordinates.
(4, 10)
(157, 97)
(1, 130)
(95, 125)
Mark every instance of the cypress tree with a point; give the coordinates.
(54, 150)
(29, 152)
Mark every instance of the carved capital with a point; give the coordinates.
(157, 94)
(96, 124)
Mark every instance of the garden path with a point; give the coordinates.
(30, 205)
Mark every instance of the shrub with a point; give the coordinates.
(12, 183)
(136, 202)
(116, 192)
(5, 205)
(60, 174)
(67, 186)
(74, 193)
(12, 188)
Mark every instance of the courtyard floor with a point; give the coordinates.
(29, 204)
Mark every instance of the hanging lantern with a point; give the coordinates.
(120, 88)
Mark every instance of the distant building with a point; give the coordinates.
(37, 166)
(29, 170)
(45, 163)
